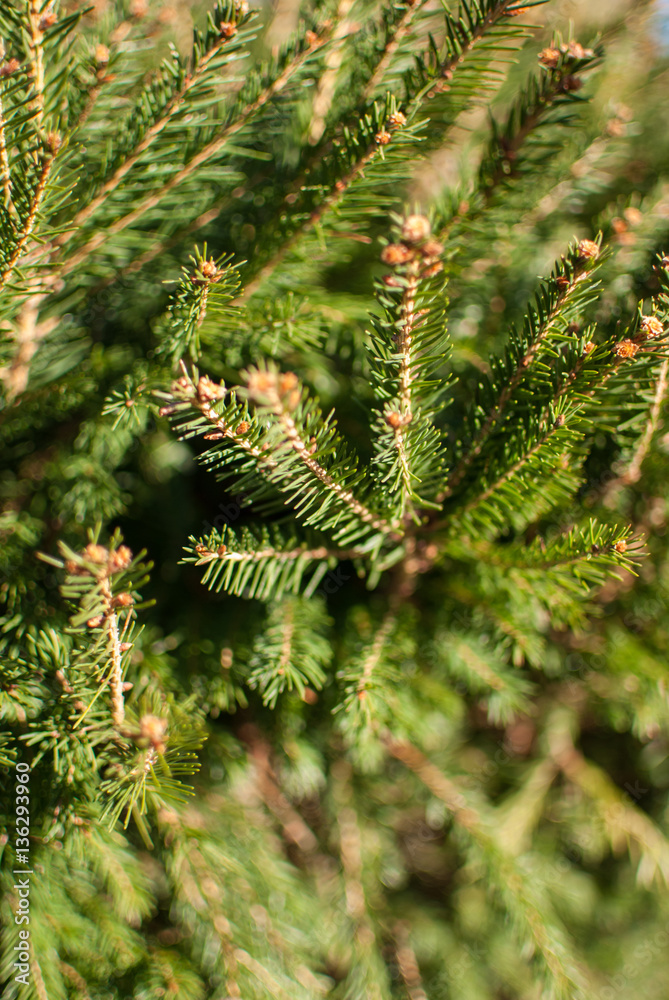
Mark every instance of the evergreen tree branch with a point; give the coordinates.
(407, 962)
(375, 651)
(511, 881)
(280, 397)
(622, 820)
(546, 321)
(29, 223)
(370, 152)
(632, 472)
(173, 106)
(401, 30)
(502, 161)
(208, 152)
(36, 20)
(5, 173)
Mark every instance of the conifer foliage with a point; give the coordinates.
(370, 731)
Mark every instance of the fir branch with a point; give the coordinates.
(262, 565)
(558, 87)
(245, 114)
(549, 317)
(5, 174)
(407, 962)
(622, 820)
(28, 223)
(632, 472)
(116, 668)
(371, 660)
(373, 133)
(502, 866)
(190, 80)
(462, 34)
(399, 33)
(36, 19)
(280, 396)
(325, 89)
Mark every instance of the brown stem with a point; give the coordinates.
(29, 224)
(407, 962)
(36, 59)
(392, 45)
(342, 494)
(115, 656)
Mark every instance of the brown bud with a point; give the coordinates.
(207, 390)
(123, 600)
(433, 248)
(394, 419)
(260, 382)
(391, 281)
(9, 68)
(221, 550)
(432, 269)
(549, 58)
(47, 20)
(167, 411)
(589, 346)
(153, 729)
(397, 120)
(625, 349)
(383, 137)
(201, 549)
(340, 186)
(96, 554)
(651, 326)
(396, 253)
(562, 283)
(621, 546)
(416, 229)
(101, 55)
(287, 382)
(209, 269)
(576, 51)
(138, 8)
(587, 250)
(242, 427)
(123, 648)
(227, 29)
(120, 559)
(213, 436)
(571, 84)
(95, 622)
(310, 38)
(560, 420)
(53, 143)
